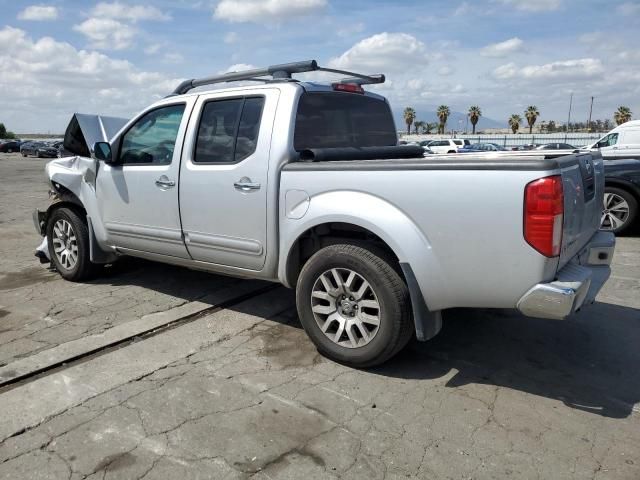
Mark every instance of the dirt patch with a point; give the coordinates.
(3, 313)
(287, 346)
(25, 278)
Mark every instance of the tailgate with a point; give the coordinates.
(583, 182)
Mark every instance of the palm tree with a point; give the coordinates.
(409, 117)
(531, 114)
(443, 113)
(474, 115)
(514, 122)
(417, 125)
(428, 126)
(622, 115)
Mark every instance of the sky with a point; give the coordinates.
(116, 57)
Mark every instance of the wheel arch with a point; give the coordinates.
(624, 185)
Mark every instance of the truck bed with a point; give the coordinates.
(468, 209)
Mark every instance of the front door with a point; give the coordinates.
(223, 185)
(139, 196)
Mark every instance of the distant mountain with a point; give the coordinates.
(456, 120)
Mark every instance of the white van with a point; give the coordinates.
(621, 142)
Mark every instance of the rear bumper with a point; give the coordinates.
(577, 283)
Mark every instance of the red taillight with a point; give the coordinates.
(348, 87)
(543, 215)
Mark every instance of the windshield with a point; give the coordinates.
(608, 140)
(333, 120)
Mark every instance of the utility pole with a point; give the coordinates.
(569, 119)
(590, 110)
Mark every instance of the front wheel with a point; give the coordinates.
(354, 305)
(68, 242)
(619, 210)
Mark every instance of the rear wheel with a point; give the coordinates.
(68, 242)
(354, 305)
(619, 211)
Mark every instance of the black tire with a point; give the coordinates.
(23, 154)
(83, 268)
(451, 151)
(396, 326)
(633, 210)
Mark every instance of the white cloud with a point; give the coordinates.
(629, 9)
(38, 13)
(239, 67)
(109, 26)
(561, 70)
(131, 13)
(502, 49)
(260, 11)
(383, 52)
(533, 5)
(44, 81)
(445, 70)
(106, 33)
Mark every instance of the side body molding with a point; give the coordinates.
(393, 226)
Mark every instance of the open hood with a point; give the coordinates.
(85, 130)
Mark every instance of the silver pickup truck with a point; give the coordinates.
(303, 183)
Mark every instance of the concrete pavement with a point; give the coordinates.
(240, 392)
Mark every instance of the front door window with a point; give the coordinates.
(151, 140)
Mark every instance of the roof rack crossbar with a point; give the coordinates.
(277, 72)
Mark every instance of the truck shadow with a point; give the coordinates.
(590, 362)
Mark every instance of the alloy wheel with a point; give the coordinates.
(615, 212)
(65, 244)
(345, 307)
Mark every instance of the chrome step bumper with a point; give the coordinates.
(577, 283)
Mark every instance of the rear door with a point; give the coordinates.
(223, 180)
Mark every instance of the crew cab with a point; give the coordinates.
(303, 183)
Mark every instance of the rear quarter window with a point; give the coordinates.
(334, 120)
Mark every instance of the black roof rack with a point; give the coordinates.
(281, 72)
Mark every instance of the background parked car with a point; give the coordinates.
(483, 147)
(556, 146)
(621, 195)
(450, 145)
(38, 149)
(9, 146)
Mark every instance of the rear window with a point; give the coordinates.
(333, 120)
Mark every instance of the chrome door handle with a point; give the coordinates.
(164, 182)
(246, 185)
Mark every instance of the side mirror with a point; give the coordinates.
(102, 151)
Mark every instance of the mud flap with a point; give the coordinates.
(96, 254)
(428, 324)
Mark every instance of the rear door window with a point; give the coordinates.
(228, 130)
(333, 120)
